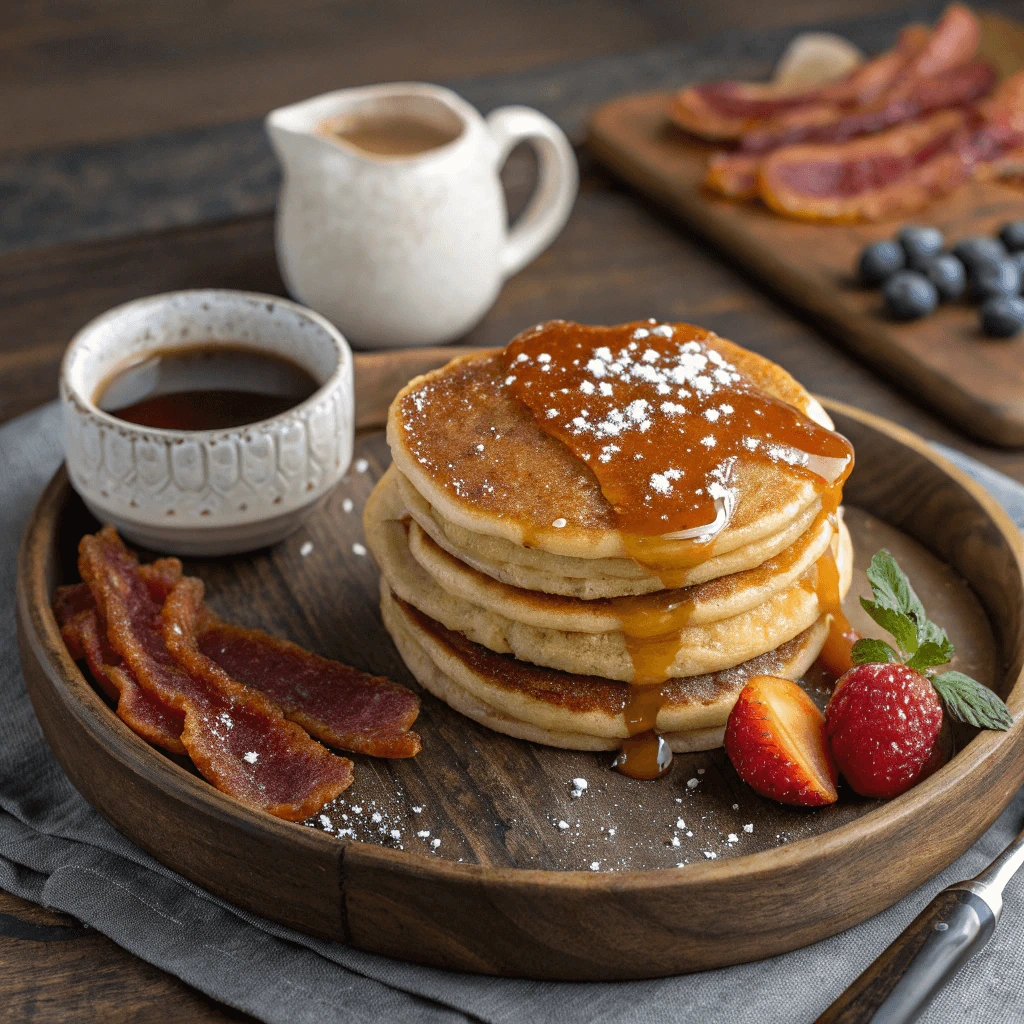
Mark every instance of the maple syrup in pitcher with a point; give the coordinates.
(209, 386)
(662, 419)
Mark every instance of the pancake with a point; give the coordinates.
(481, 460)
(564, 710)
(718, 599)
(585, 578)
(599, 534)
(697, 649)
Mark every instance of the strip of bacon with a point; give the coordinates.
(923, 72)
(143, 713)
(956, 88)
(237, 738)
(338, 704)
(871, 178)
(335, 703)
(954, 42)
(734, 174)
(725, 111)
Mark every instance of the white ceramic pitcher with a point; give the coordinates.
(410, 250)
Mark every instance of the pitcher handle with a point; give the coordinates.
(557, 180)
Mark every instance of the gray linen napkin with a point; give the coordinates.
(57, 851)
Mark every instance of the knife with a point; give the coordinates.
(899, 985)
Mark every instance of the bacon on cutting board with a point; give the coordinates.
(726, 111)
(734, 174)
(870, 178)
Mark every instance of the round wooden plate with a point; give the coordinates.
(475, 855)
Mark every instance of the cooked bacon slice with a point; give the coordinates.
(333, 702)
(925, 71)
(954, 42)
(725, 111)
(871, 178)
(734, 174)
(144, 713)
(956, 88)
(237, 738)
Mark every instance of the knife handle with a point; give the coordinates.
(897, 987)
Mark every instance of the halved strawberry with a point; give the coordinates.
(775, 739)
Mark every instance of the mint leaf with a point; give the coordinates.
(930, 633)
(901, 626)
(967, 700)
(898, 609)
(891, 587)
(930, 654)
(868, 651)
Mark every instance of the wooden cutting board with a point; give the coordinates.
(475, 855)
(976, 381)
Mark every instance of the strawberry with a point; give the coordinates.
(886, 728)
(775, 739)
(887, 722)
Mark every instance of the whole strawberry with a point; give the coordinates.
(886, 728)
(887, 720)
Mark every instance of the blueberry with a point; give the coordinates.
(1012, 235)
(975, 250)
(920, 245)
(879, 261)
(1002, 317)
(994, 278)
(948, 275)
(909, 295)
(1018, 258)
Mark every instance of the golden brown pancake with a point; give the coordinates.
(530, 626)
(566, 710)
(480, 459)
(585, 578)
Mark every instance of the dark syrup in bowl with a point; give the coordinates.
(208, 386)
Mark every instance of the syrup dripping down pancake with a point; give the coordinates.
(479, 457)
(692, 649)
(768, 606)
(651, 614)
(584, 578)
(567, 710)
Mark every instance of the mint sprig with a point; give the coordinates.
(922, 645)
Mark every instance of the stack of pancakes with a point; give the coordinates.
(514, 594)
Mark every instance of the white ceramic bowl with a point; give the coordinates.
(207, 492)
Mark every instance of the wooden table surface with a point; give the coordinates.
(110, 107)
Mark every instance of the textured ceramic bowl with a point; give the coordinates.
(207, 492)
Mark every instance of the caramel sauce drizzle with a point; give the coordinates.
(662, 419)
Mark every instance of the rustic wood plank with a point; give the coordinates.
(116, 71)
(208, 172)
(56, 969)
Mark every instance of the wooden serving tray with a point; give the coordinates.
(508, 891)
(943, 358)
